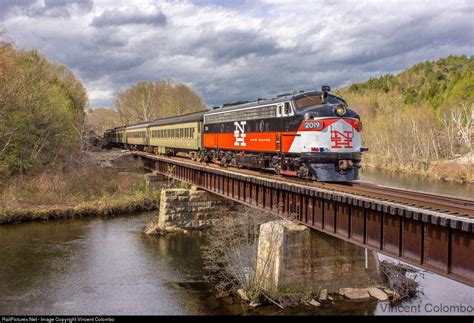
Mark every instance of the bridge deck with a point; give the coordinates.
(439, 241)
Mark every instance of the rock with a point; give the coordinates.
(242, 294)
(222, 294)
(389, 292)
(212, 302)
(154, 229)
(254, 305)
(354, 293)
(323, 295)
(173, 229)
(227, 300)
(314, 303)
(378, 294)
(237, 309)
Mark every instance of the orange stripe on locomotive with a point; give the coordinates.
(251, 141)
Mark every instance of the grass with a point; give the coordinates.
(88, 191)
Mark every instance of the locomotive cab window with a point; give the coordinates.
(307, 101)
(287, 109)
(284, 110)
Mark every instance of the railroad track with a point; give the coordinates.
(462, 207)
(440, 203)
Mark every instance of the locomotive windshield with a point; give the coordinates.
(314, 99)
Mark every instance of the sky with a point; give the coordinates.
(237, 50)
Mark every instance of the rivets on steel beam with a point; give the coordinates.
(467, 227)
(455, 224)
(417, 215)
(426, 218)
(444, 222)
(435, 219)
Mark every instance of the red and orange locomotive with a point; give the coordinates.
(307, 134)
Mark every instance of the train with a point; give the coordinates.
(307, 134)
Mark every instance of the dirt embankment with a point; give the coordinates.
(107, 183)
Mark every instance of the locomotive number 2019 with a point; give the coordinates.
(312, 125)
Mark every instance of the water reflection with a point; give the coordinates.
(416, 182)
(97, 266)
(108, 266)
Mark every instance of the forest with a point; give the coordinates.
(420, 120)
(41, 111)
(145, 101)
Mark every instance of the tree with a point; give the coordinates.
(102, 119)
(146, 101)
(41, 111)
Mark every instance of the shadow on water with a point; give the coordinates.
(108, 266)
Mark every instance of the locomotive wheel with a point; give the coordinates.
(224, 161)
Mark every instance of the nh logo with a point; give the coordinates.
(239, 133)
(341, 139)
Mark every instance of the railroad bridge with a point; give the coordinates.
(434, 233)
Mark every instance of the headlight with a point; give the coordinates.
(341, 110)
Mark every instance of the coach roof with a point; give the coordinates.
(190, 117)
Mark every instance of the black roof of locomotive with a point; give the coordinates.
(278, 99)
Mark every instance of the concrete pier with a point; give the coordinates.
(291, 257)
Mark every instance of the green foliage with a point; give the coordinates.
(41, 111)
(419, 116)
(446, 81)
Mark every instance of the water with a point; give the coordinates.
(99, 266)
(416, 182)
(108, 266)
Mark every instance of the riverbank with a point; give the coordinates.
(91, 191)
(460, 170)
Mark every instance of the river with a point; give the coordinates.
(108, 266)
(416, 182)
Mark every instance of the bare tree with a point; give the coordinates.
(145, 101)
(230, 255)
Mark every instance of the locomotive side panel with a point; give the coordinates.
(257, 129)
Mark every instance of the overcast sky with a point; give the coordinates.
(237, 50)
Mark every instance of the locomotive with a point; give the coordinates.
(310, 134)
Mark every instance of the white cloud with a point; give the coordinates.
(244, 50)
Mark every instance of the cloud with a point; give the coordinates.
(9, 6)
(238, 51)
(51, 8)
(116, 17)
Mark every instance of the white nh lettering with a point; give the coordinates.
(239, 133)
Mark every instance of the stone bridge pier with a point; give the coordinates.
(189, 209)
(293, 257)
